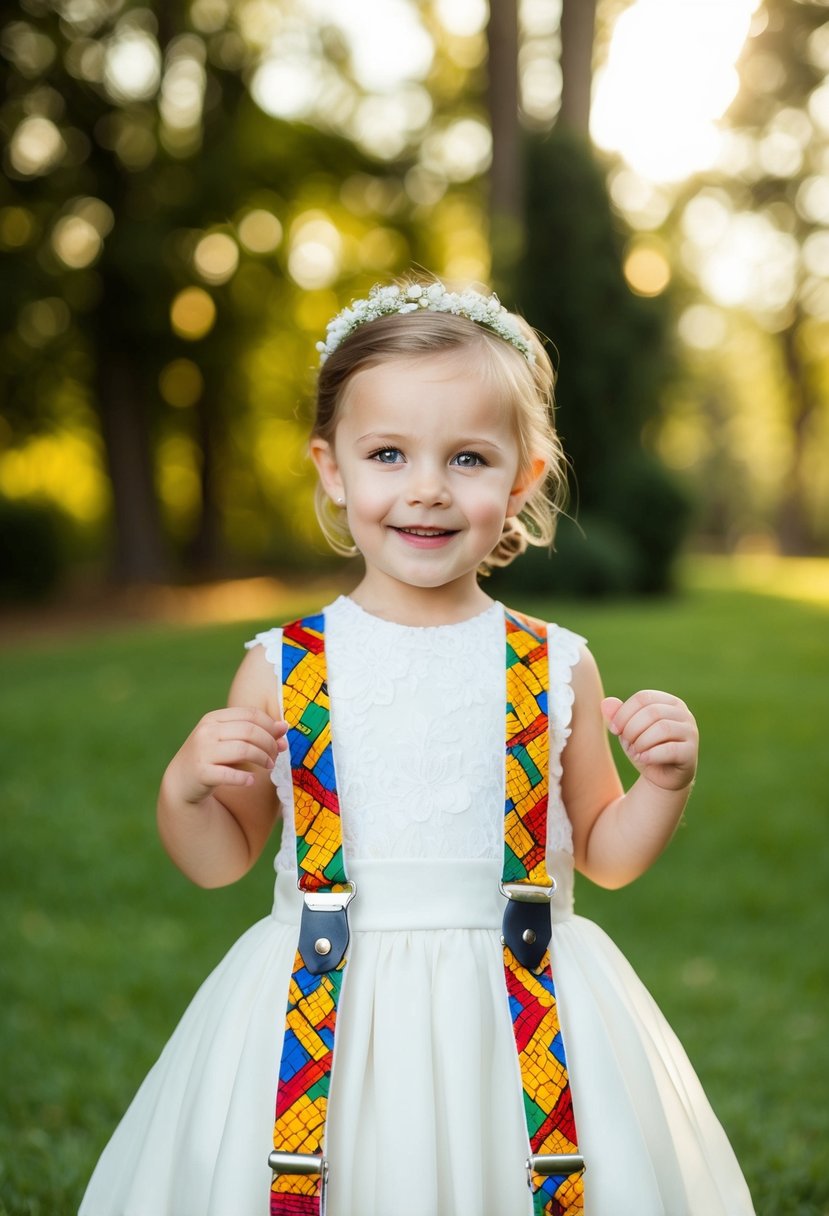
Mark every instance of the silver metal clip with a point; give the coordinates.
(305, 1164)
(330, 901)
(528, 893)
(552, 1165)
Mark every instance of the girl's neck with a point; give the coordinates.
(408, 605)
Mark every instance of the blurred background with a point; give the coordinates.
(192, 189)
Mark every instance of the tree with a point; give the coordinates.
(132, 139)
(755, 242)
(565, 274)
(614, 353)
(578, 25)
(506, 178)
(781, 112)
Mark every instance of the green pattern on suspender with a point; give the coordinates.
(305, 1069)
(311, 1017)
(548, 1106)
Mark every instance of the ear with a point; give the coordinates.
(528, 481)
(322, 454)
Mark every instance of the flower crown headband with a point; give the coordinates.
(487, 311)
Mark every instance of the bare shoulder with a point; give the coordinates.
(585, 679)
(255, 683)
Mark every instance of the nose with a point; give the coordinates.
(428, 485)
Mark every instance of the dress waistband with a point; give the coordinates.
(441, 894)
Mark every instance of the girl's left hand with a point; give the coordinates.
(658, 734)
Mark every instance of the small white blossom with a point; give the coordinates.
(388, 301)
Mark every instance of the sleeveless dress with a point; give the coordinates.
(425, 1115)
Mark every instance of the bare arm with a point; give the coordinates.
(616, 835)
(217, 804)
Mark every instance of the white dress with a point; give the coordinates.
(425, 1115)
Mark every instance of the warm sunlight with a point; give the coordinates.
(670, 76)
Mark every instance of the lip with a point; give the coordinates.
(425, 538)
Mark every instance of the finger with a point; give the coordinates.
(660, 733)
(238, 751)
(671, 754)
(222, 774)
(645, 701)
(655, 718)
(609, 708)
(248, 713)
(669, 751)
(249, 732)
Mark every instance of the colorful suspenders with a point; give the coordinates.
(298, 1162)
(554, 1166)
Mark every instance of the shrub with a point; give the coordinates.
(593, 558)
(31, 550)
(648, 505)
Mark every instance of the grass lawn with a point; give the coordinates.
(104, 941)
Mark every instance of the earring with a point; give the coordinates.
(340, 501)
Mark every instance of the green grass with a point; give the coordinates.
(104, 942)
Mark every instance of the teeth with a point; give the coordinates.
(424, 531)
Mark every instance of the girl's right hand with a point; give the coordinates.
(218, 750)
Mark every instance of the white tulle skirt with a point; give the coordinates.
(425, 1115)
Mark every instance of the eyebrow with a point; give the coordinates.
(382, 436)
(392, 438)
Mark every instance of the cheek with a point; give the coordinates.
(488, 509)
(367, 496)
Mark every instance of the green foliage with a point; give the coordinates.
(613, 355)
(32, 550)
(105, 942)
(759, 396)
(591, 558)
(648, 506)
(626, 545)
(98, 317)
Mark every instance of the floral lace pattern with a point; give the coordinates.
(417, 721)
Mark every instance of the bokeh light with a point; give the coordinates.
(16, 227)
(132, 65)
(36, 147)
(76, 241)
(216, 257)
(459, 151)
(668, 79)
(192, 313)
(31, 52)
(42, 320)
(181, 383)
(63, 468)
(646, 268)
(183, 86)
(259, 231)
(315, 251)
(463, 18)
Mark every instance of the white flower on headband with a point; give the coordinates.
(388, 301)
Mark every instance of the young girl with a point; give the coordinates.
(471, 1071)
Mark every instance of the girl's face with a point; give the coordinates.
(426, 460)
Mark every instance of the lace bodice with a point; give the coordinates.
(417, 723)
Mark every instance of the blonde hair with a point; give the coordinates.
(524, 388)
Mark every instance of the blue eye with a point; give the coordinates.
(386, 455)
(469, 460)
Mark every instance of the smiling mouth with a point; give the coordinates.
(426, 531)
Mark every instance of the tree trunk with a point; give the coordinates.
(506, 193)
(794, 529)
(205, 550)
(139, 553)
(578, 24)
